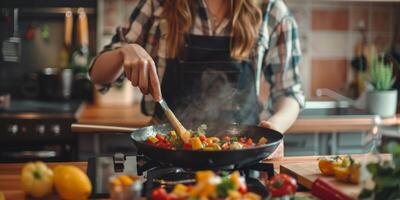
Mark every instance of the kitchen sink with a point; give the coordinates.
(328, 109)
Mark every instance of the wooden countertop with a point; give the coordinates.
(130, 116)
(10, 175)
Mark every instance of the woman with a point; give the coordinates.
(208, 56)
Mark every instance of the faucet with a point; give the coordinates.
(341, 100)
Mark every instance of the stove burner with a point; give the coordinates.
(176, 178)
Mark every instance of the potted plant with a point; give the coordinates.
(382, 100)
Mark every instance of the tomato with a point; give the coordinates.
(282, 185)
(159, 194)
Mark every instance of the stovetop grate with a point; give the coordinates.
(101, 168)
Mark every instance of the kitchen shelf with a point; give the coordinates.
(47, 3)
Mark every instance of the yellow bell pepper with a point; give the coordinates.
(152, 139)
(37, 179)
(262, 140)
(196, 143)
(203, 176)
(180, 191)
(235, 178)
(252, 196)
(355, 173)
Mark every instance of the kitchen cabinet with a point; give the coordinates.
(301, 144)
(318, 143)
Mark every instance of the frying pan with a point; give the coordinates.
(198, 159)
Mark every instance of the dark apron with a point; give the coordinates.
(205, 85)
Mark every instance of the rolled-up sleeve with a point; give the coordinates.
(281, 63)
(133, 32)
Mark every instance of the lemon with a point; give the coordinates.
(71, 182)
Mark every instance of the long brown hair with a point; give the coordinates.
(245, 22)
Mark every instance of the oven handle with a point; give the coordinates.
(31, 154)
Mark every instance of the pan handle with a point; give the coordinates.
(90, 128)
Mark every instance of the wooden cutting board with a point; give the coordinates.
(307, 172)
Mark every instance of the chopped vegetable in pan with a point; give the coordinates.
(199, 141)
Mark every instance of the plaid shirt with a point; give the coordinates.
(277, 54)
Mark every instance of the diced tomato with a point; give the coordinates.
(159, 194)
(249, 141)
(227, 139)
(243, 188)
(160, 137)
(225, 146)
(187, 146)
(202, 137)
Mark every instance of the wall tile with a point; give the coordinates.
(328, 74)
(359, 15)
(381, 41)
(330, 19)
(326, 44)
(381, 20)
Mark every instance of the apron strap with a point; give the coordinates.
(262, 45)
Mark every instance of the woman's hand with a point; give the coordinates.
(140, 69)
(278, 153)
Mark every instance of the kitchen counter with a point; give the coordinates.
(130, 116)
(10, 175)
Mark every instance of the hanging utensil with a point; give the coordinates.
(65, 52)
(11, 48)
(81, 55)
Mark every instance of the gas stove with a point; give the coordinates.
(154, 175)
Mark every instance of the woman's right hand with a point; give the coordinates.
(140, 69)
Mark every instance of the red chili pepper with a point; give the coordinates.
(282, 185)
(322, 189)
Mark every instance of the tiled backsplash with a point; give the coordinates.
(328, 31)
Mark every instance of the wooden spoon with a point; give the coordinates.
(176, 124)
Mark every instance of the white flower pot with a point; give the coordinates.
(383, 103)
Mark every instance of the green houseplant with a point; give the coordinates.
(382, 100)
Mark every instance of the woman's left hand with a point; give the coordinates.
(278, 153)
(267, 124)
